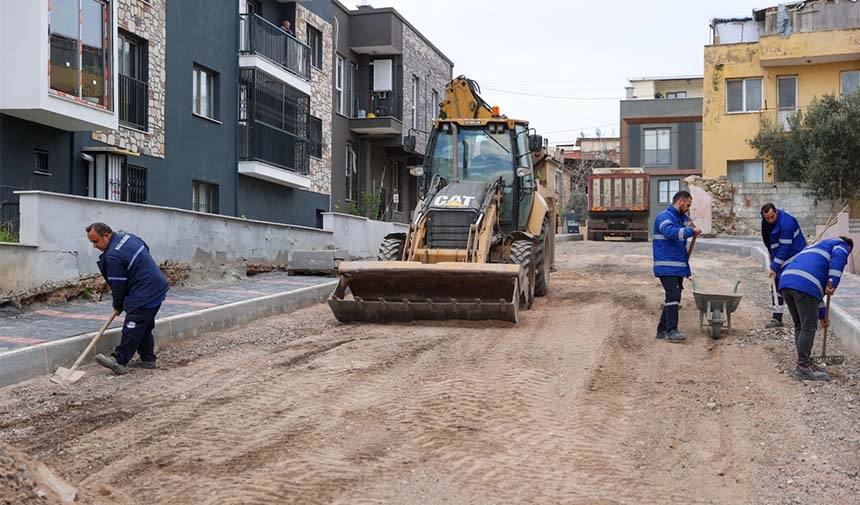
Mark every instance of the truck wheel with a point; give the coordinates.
(390, 249)
(541, 265)
(522, 252)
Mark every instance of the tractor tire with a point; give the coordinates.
(522, 252)
(390, 249)
(541, 265)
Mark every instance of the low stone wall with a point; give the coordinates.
(359, 235)
(54, 249)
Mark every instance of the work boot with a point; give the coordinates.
(111, 362)
(774, 323)
(661, 335)
(675, 336)
(149, 365)
(809, 374)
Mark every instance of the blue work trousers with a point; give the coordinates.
(804, 312)
(669, 317)
(137, 336)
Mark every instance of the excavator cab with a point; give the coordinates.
(477, 245)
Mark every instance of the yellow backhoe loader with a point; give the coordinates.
(478, 244)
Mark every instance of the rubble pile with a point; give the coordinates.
(723, 220)
(25, 482)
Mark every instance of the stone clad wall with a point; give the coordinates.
(422, 60)
(321, 97)
(146, 20)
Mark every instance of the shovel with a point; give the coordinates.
(834, 359)
(776, 308)
(71, 375)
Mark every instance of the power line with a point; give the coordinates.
(555, 97)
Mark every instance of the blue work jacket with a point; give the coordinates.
(133, 276)
(810, 269)
(669, 244)
(786, 239)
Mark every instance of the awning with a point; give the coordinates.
(111, 150)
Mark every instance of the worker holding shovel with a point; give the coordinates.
(783, 238)
(138, 287)
(804, 281)
(672, 262)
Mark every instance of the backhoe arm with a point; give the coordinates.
(462, 100)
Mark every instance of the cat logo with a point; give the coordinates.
(453, 201)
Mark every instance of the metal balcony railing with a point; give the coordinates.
(133, 102)
(258, 36)
(387, 104)
(273, 122)
(9, 207)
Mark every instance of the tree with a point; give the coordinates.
(822, 149)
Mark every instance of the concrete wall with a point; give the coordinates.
(359, 235)
(53, 226)
(749, 197)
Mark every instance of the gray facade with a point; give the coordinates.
(678, 123)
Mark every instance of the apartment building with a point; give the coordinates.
(661, 125)
(766, 67)
(210, 106)
(389, 81)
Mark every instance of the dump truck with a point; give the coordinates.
(478, 245)
(618, 204)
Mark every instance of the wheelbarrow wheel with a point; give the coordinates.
(716, 324)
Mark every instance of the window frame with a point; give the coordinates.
(416, 87)
(676, 94)
(139, 75)
(842, 74)
(658, 162)
(745, 167)
(315, 127)
(41, 162)
(744, 82)
(351, 179)
(315, 41)
(211, 188)
(339, 85)
(396, 186)
(105, 53)
(668, 191)
(199, 70)
(434, 104)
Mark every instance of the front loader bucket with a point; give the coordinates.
(396, 291)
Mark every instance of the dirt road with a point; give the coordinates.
(578, 404)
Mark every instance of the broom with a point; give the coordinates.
(824, 359)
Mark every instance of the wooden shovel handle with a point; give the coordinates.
(692, 245)
(826, 318)
(95, 340)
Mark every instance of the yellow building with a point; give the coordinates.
(766, 67)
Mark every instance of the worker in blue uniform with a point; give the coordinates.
(137, 286)
(783, 238)
(804, 281)
(671, 262)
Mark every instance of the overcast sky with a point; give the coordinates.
(576, 55)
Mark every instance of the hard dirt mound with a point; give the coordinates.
(25, 481)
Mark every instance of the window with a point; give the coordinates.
(111, 177)
(745, 171)
(849, 82)
(315, 42)
(80, 49)
(40, 162)
(658, 146)
(205, 87)
(676, 94)
(351, 174)
(316, 137)
(786, 99)
(434, 104)
(396, 177)
(667, 189)
(353, 102)
(338, 86)
(559, 182)
(414, 102)
(133, 89)
(204, 197)
(744, 95)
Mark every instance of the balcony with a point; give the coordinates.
(264, 46)
(54, 79)
(808, 34)
(133, 103)
(383, 117)
(273, 130)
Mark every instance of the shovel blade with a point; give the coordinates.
(67, 376)
(776, 309)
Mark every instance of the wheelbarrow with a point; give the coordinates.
(717, 309)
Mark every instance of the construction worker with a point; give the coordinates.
(783, 238)
(803, 281)
(138, 287)
(671, 263)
